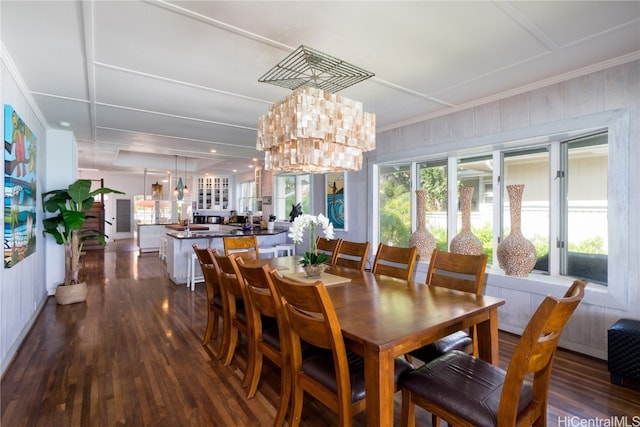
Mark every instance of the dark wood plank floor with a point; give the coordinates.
(131, 356)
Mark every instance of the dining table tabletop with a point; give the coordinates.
(382, 318)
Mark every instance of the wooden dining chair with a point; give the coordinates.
(330, 247)
(353, 254)
(395, 261)
(215, 309)
(462, 273)
(236, 309)
(242, 246)
(330, 374)
(466, 391)
(267, 341)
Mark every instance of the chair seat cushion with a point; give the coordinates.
(457, 341)
(319, 365)
(463, 385)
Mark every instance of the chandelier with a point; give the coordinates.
(312, 129)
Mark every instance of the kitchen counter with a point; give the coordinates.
(226, 232)
(195, 227)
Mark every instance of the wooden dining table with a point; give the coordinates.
(382, 318)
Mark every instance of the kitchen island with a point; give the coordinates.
(180, 245)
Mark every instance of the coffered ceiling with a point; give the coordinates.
(140, 82)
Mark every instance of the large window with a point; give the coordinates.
(247, 201)
(433, 178)
(394, 186)
(291, 190)
(564, 209)
(477, 173)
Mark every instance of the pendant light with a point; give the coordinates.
(185, 190)
(175, 190)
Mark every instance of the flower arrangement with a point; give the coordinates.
(296, 231)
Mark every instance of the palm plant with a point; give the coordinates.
(70, 206)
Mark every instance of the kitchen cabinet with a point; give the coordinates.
(214, 192)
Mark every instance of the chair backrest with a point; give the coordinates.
(330, 247)
(535, 351)
(207, 265)
(395, 261)
(242, 246)
(457, 271)
(261, 291)
(353, 254)
(230, 279)
(310, 316)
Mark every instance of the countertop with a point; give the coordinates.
(209, 234)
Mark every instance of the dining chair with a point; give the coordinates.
(242, 246)
(331, 374)
(330, 247)
(353, 254)
(462, 273)
(236, 309)
(466, 391)
(395, 261)
(267, 341)
(215, 309)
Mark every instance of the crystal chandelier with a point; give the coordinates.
(314, 130)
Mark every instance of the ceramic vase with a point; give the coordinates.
(516, 255)
(422, 238)
(466, 242)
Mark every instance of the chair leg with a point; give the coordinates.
(296, 406)
(251, 361)
(226, 337)
(408, 416)
(285, 395)
(256, 372)
(212, 327)
(231, 349)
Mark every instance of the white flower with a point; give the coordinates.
(296, 231)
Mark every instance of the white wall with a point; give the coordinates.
(22, 287)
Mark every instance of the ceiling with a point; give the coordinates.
(141, 82)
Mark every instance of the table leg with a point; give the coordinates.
(379, 387)
(488, 338)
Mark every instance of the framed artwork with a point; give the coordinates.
(19, 189)
(335, 191)
(266, 200)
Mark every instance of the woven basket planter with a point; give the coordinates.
(71, 294)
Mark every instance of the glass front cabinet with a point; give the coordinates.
(213, 193)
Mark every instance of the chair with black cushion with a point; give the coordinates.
(237, 314)
(462, 273)
(242, 246)
(353, 254)
(330, 374)
(215, 309)
(329, 247)
(466, 391)
(395, 261)
(267, 341)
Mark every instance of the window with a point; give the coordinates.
(530, 168)
(394, 205)
(291, 190)
(477, 173)
(433, 178)
(247, 197)
(584, 240)
(564, 210)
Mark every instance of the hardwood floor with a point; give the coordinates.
(131, 356)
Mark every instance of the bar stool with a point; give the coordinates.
(288, 248)
(162, 250)
(270, 251)
(192, 279)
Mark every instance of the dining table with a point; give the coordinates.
(383, 317)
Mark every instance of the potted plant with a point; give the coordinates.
(312, 262)
(70, 206)
(272, 222)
